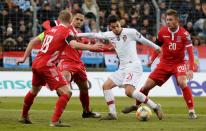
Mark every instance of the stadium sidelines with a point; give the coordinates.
(19, 83)
(18, 110)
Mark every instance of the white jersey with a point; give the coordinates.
(130, 69)
(124, 44)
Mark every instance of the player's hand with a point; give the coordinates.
(159, 50)
(97, 46)
(190, 75)
(149, 64)
(21, 60)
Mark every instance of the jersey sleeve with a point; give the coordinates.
(69, 37)
(188, 40)
(138, 37)
(159, 40)
(135, 35)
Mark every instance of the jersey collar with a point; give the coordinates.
(63, 25)
(174, 31)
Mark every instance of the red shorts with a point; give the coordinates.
(48, 75)
(77, 70)
(163, 72)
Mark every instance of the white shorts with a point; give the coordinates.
(129, 76)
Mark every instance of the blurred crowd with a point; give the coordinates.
(17, 17)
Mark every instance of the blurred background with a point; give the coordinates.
(20, 21)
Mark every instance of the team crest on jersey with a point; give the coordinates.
(124, 38)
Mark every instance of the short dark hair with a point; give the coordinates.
(77, 12)
(172, 12)
(112, 19)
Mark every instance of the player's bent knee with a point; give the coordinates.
(129, 90)
(35, 90)
(182, 84)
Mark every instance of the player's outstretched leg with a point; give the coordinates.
(131, 92)
(61, 103)
(136, 106)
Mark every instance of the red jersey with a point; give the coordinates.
(173, 44)
(55, 40)
(70, 54)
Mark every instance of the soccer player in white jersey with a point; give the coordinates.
(130, 70)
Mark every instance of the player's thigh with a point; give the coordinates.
(149, 84)
(129, 89)
(180, 74)
(182, 81)
(68, 75)
(65, 89)
(117, 78)
(132, 77)
(54, 78)
(108, 84)
(160, 75)
(83, 85)
(37, 80)
(80, 78)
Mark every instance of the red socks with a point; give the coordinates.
(84, 98)
(60, 106)
(28, 101)
(187, 94)
(145, 92)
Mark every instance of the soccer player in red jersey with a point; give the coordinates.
(173, 40)
(72, 67)
(44, 67)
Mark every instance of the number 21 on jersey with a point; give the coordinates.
(46, 42)
(172, 46)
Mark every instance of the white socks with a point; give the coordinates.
(109, 98)
(142, 98)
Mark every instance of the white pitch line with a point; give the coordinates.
(18, 110)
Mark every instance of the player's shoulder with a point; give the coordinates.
(129, 30)
(184, 31)
(163, 29)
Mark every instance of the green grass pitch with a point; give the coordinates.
(176, 117)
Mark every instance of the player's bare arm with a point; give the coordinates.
(80, 46)
(33, 42)
(91, 35)
(191, 62)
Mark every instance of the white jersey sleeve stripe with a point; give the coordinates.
(188, 45)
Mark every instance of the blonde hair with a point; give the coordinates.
(172, 12)
(65, 16)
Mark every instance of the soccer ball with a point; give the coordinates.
(143, 113)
